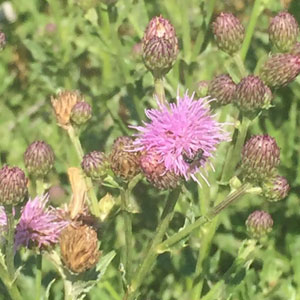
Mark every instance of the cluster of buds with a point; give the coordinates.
(283, 31)
(259, 224)
(252, 94)
(228, 32)
(160, 46)
(70, 106)
(39, 158)
(95, 165)
(124, 160)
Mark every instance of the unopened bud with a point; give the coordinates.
(259, 224)
(79, 248)
(39, 158)
(81, 112)
(260, 158)
(95, 165)
(155, 171)
(13, 185)
(160, 46)
(296, 49)
(280, 69)
(63, 104)
(275, 189)
(222, 88)
(229, 32)
(124, 160)
(252, 94)
(283, 31)
(202, 88)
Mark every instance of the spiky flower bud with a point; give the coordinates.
(39, 158)
(275, 189)
(2, 40)
(202, 88)
(283, 31)
(229, 32)
(280, 69)
(81, 112)
(63, 104)
(160, 46)
(95, 165)
(79, 248)
(260, 157)
(13, 185)
(222, 88)
(296, 49)
(252, 94)
(124, 161)
(259, 224)
(156, 172)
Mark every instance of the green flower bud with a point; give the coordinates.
(283, 31)
(260, 158)
(223, 89)
(124, 161)
(156, 173)
(252, 94)
(39, 158)
(160, 46)
(275, 189)
(81, 112)
(229, 32)
(95, 165)
(280, 69)
(259, 224)
(13, 185)
(202, 88)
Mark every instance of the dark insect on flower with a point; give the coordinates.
(194, 159)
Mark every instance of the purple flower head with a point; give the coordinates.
(38, 225)
(184, 134)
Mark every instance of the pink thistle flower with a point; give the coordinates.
(184, 134)
(38, 225)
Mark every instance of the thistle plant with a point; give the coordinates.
(162, 192)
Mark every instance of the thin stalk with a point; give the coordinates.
(257, 8)
(38, 276)
(151, 254)
(128, 234)
(88, 182)
(39, 183)
(165, 245)
(159, 90)
(9, 251)
(240, 65)
(235, 153)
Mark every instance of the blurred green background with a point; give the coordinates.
(93, 47)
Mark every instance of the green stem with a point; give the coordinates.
(39, 186)
(257, 8)
(235, 152)
(240, 65)
(94, 207)
(151, 254)
(38, 276)
(128, 234)
(165, 245)
(159, 90)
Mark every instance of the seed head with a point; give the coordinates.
(222, 88)
(13, 185)
(259, 224)
(39, 158)
(63, 104)
(79, 248)
(160, 46)
(283, 31)
(252, 94)
(155, 171)
(81, 112)
(95, 165)
(229, 32)
(260, 158)
(276, 188)
(124, 160)
(280, 69)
